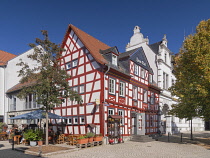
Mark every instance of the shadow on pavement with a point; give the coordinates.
(199, 138)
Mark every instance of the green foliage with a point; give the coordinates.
(82, 137)
(192, 71)
(33, 135)
(90, 135)
(47, 80)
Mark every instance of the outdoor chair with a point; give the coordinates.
(17, 139)
(61, 139)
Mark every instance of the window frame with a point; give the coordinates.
(142, 73)
(122, 89)
(109, 110)
(135, 93)
(80, 120)
(74, 63)
(112, 86)
(114, 59)
(74, 120)
(152, 98)
(68, 65)
(136, 69)
(145, 94)
(121, 112)
(80, 91)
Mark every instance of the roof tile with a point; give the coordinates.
(4, 57)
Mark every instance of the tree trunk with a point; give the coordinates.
(46, 130)
(191, 134)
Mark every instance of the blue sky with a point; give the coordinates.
(111, 21)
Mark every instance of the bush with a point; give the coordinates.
(82, 137)
(33, 135)
(90, 135)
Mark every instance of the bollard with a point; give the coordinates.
(168, 136)
(181, 137)
(13, 143)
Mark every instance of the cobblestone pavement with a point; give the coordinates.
(155, 149)
(7, 152)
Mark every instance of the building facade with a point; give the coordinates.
(4, 58)
(160, 58)
(13, 105)
(113, 84)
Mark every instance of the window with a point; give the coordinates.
(12, 121)
(144, 96)
(74, 63)
(142, 73)
(13, 104)
(172, 82)
(111, 86)
(135, 92)
(75, 120)
(110, 111)
(75, 89)
(122, 89)
(69, 120)
(165, 57)
(150, 78)
(121, 113)
(68, 66)
(114, 59)
(165, 80)
(82, 120)
(136, 69)
(81, 89)
(152, 98)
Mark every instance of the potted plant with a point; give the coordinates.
(90, 136)
(82, 140)
(33, 136)
(111, 141)
(98, 137)
(39, 137)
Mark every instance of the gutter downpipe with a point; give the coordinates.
(105, 137)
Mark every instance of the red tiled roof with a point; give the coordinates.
(4, 57)
(19, 86)
(91, 43)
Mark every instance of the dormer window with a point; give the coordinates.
(114, 60)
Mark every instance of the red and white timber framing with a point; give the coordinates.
(89, 79)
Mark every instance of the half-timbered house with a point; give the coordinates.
(112, 85)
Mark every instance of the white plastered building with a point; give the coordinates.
(160, 60)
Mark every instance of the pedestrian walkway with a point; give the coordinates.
(154, 149)
(7, 152)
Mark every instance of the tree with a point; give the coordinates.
(192, 71)
(46, 80)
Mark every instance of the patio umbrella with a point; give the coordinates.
(37, 114)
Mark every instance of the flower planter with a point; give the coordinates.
(99, 138)
(119, 140)
(111, 141)
(82, 141)
(33, 143)
(40, 142)
(90, 140)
